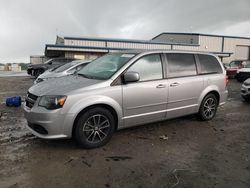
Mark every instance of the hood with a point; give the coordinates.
(244, 70)
(45, 74)
(62, 85)
(49, 74)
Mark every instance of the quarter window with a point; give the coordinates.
(149, 67)
(181, 65)
(209, 64)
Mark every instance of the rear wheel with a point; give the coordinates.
(94, 128)
(208, 107)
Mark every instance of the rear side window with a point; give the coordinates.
(149, 67)
(180, 65)
(209, 64)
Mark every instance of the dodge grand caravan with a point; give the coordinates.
(124, 89)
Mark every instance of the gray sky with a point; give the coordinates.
(27, 25)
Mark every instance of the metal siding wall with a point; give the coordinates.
(177, 38)
(85, 43)
(230, 46)
(242, 52)
(127, 45)
(191, 48)
(210, 44)
(82, 55)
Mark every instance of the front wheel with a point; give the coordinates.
(94, 128)
(208, 107)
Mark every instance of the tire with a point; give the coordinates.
(94, 128)
(208, 107)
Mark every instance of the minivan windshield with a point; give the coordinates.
(106, 66)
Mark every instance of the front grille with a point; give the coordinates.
(30, 100)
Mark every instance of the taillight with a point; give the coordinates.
(226, 80)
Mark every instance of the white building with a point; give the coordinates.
(228, 48)
(233, 48)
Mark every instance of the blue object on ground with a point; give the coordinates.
(14, 101)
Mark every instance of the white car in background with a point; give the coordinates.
(245, 90)
(67, 69)
(244, 73)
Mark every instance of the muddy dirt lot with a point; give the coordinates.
(192, 153)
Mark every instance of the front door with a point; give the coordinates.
(145, 101)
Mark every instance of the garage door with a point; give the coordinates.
(242, 52)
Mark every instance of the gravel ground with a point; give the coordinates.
(192, 153)
(13, 74)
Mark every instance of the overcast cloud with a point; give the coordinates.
(27, 25)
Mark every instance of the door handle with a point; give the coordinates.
(161, 86)
(174, 84)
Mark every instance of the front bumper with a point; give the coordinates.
(48, 124)
(245, 91)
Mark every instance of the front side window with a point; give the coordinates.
(149, 67)
(209, 64)
(106, 66)
(180, 65)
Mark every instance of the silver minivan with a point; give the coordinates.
(124, 89)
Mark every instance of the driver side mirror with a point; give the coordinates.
(131, 77)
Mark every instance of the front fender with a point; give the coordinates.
(95, 100)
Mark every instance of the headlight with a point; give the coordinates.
(52, 102)
(38, 80)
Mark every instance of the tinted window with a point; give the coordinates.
(235, 64)
(149, 67)
(209, 64)
(181, 65)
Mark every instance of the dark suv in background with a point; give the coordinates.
(37, 69)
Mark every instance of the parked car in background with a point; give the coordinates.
(226, 66)
(233, 67)
(243, 74)
(37, 69)
(64, 70)
(125, 89)
(245, 90)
